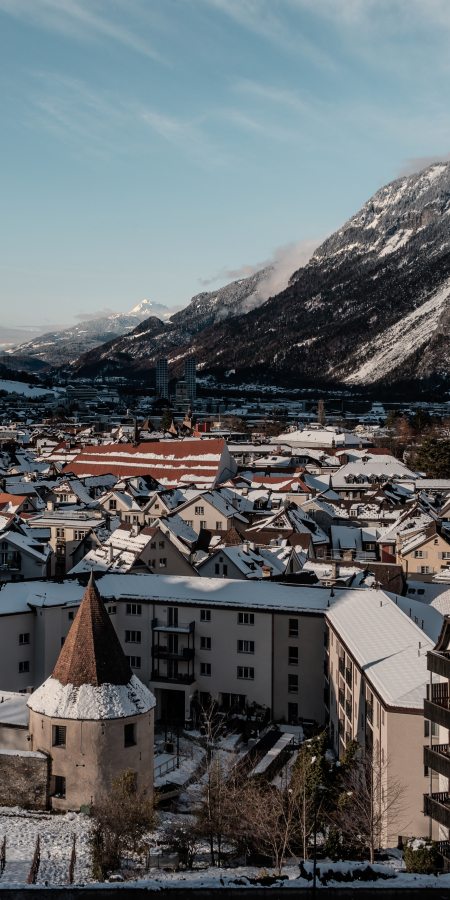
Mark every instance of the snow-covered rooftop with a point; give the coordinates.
(108, 701)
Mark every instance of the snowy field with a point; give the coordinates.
(19, 387)
(21, 828)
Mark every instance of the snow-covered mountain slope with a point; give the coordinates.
(371, 305)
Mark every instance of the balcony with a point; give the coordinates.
(369, 712)
(437, 758)
(348, 677)
(175, 679)
(342, 666)
(171, 628)
(341, 699)
(348, 709)
(325, 668)
(436, 707)
(439, 662)
(185, 653)
(438, 807)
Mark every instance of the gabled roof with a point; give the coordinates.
(92, 653)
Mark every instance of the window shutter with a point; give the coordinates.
(431, 569)
(419, 568)
(440, 556)
(425, 554)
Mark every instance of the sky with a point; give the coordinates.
(153, 149)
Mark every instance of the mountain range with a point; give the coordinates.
(370, 307)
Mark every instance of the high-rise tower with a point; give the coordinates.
(162, 379)
(190, 376)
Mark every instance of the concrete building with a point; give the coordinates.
(190, 377)
(162, 379)
(436, 759)
(93, 717)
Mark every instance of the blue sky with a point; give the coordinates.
(156, 148)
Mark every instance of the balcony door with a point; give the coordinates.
(172, 668)
(172, 616)
(172, 643)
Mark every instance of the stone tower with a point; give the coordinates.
(93, 716)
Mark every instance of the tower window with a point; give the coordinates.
(58, 735)
(130, 735)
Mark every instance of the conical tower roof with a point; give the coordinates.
(92, 653)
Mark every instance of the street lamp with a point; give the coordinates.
(317, 787)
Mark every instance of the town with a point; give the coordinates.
(200, 589)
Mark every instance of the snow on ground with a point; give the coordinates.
(18, 387)
(187, 767)
(22, 827)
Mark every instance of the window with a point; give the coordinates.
(205, 615)
(112, 610)
(246, 646)
(205, 643)
(134, 662)
(132, 637)
(127, 520)
(219, 526)
(245, 672)
(129, 735)
(190, 522)
(113, 504)
(24, 638)
(434, 729)
(205, 668)
(162, 562)
(60, 786)
(293, 627)
(60, 532)
(134, 609)
(153, 545)
(293, 684)
(58, 735)
(293, 656)
(24, 666)
(199, 510)
(156, 505)
(71, 615)
(292, 711)
(246, 618)
(60, 549)
(445, 554)
(418, 554)
(225, 569)
(203, 524)
(216, 569)
(436, 540)
(426, 570)
(152, 563)
(161, 545)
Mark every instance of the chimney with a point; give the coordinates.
(245, 547)
(135, 529)
(267, 571)
(335, 569)
(110, 552)
(252, 546)
(234, 501)
(50, 505)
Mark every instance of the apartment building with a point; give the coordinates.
(68, 529)
(436, 756)
(186, 638)
(375, 666)
(426, 553)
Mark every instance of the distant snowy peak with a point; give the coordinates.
(149, 308)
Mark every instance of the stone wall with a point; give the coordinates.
(24, 779)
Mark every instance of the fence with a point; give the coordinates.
(73, 859)
(36, 863)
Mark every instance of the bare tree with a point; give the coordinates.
(370, 804)
(122, 819)
(183, 837)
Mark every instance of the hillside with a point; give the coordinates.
(370, 306)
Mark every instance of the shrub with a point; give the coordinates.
(421, 855)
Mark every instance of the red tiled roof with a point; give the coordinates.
(92, 653)
(166, 461)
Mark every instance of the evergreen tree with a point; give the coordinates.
(433, 457)
(166, 419)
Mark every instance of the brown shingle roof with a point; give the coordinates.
(92, 653)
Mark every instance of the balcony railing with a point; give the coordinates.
(348, 709)
(178, 627)
(437, 758)
(348, 677)
(369, 712)
(175, 679)
(341, 699)
(342, 666)
(439, 694)
(438, 807)
(186, 653)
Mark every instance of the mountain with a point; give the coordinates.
(58, 348)
(371, 306)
